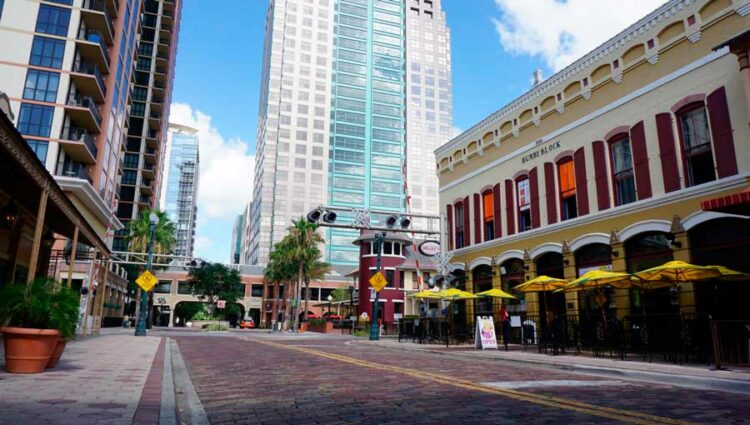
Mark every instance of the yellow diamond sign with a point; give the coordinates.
(146, 281)
(378, 281)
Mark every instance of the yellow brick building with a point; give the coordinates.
(606, 165)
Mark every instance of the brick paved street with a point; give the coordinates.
(248, 381)
(256, 377)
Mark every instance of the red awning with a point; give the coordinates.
(737, 203)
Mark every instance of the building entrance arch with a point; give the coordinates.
(643, 251)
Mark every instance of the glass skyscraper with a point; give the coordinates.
(334, 120)
(180, 185)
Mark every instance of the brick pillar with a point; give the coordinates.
(619, 265)
(469, 288)
(569, 274)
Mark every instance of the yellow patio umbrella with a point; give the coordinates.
(495, 293)
(675, 272)
(728, 274)
(541, 284)
(455, 294)
(600, 278)
(426, 294)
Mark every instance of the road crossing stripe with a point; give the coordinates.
(544, 400)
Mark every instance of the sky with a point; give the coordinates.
(496, 46)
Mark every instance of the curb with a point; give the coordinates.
(680, 380)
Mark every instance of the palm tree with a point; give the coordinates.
(164, 234)
(280, 270)
(304, 240)
(314, 270)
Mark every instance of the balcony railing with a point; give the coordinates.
(164, 41)
(85, 67)
(161, 70)
(95, 36)
(80, 135)
(155, 115)
(83, 101)
(157, 100)
(162, 56)
(150, 151)
(100, 6)
(77, 170)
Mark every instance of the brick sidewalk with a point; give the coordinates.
(99, 380)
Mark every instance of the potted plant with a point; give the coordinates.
(33, 318)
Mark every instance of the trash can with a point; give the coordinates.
(125, 321)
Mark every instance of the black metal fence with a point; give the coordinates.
(731, 342)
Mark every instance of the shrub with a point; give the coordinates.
(42, 304)
(214, 327)
(316, 322)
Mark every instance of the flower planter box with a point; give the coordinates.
(322, 328)
(198, 324)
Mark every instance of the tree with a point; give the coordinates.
(341, 293)
(164, 233)
(314, 270)
(212, 282)
(304, 240)
(280, 270)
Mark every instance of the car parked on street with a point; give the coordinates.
(247, 324)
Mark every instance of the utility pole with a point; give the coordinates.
(140, 329)
(374, 326)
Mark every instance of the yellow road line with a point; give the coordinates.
(544, 400)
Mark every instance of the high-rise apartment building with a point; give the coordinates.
(149, 111)
(179, 191)
(245, 254)
(336, 109)
(68, 69)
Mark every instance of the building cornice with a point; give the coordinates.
(86, 193)
(636, 30)
(593, 115)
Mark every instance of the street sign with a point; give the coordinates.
(378, 281)
(221, 304)
(146, 281)
(429, 248)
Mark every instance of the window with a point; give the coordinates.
(39, 147)
(459, 225)
(696, 144)
(389, 276)
(524, 204)
(256, 291)
(41, 85)
(488, 212)
(47, 52)
(163, 287)
(567, 179)
(622, 171)
(183, 287)
(35, 120)
(53, 20)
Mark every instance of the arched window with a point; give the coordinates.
(523, 192)
(623, 179)
(567, 182)
(459, 211)
(488, 215)
(695, 138)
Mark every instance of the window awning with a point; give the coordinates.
(736, 203)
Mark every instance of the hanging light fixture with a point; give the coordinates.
(9, 215)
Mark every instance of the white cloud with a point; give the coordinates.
(226, 167)
(562, 31)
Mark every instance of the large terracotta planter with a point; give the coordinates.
(56, 353)
(325, 328)
(28, 350)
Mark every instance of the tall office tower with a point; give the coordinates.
(151, 94)
(429, 121)
(236, 249)
(333, 113)
(66, 66)
(179, 191)
(292, 156)
(245, 235)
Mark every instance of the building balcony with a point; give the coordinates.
(146, 187)
(96, 15)
(148, 171)
(166, 27)
(83, 112)
(154, 120)
(79, 145)
(150, 155)
(89, 80)
(152, 139)
(91, 46)
(75, 170)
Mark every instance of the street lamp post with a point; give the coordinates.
(330, 298)
(351, 305)
(374, 326)
(140, 329)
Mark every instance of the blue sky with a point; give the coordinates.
(496, 46)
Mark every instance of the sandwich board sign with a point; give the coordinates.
(485, 333)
